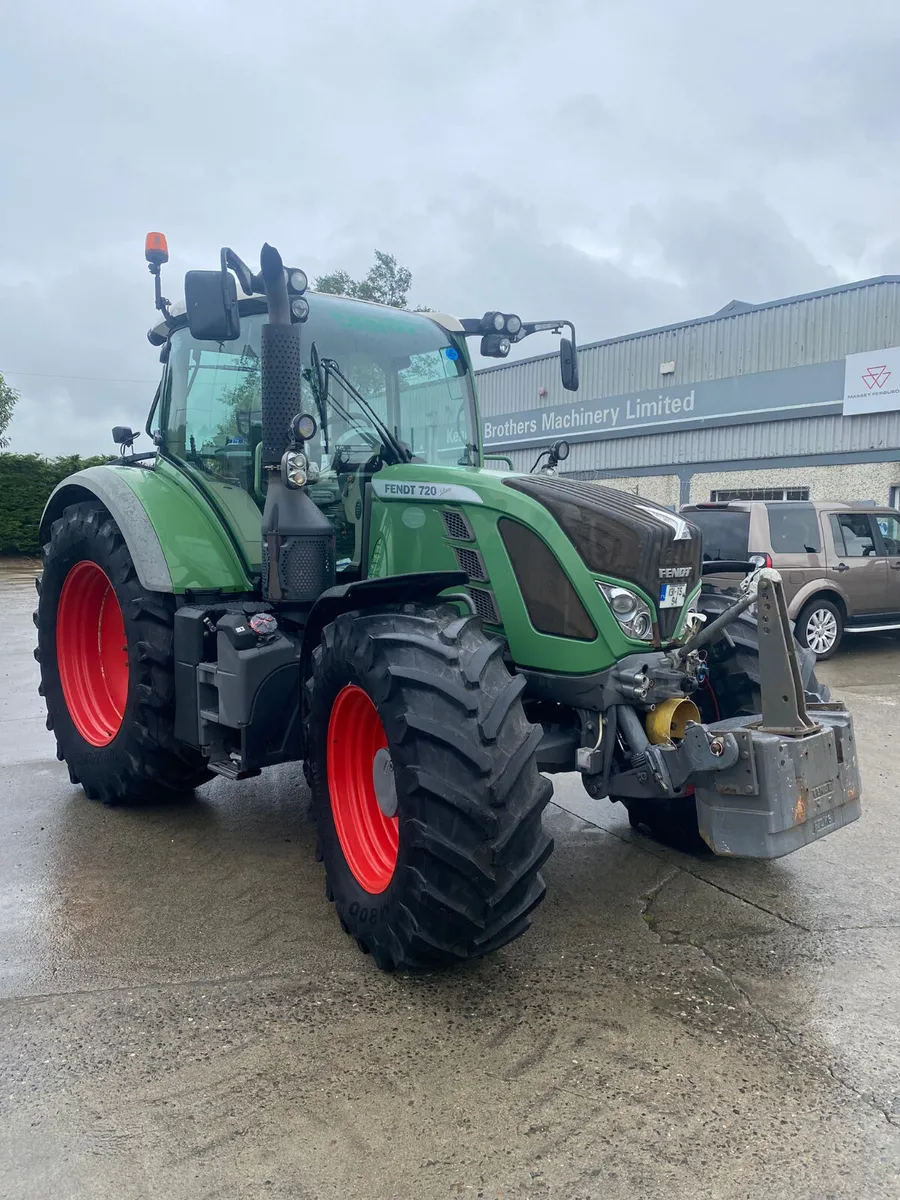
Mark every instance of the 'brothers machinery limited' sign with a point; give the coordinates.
(808, 391)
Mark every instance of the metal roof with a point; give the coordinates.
(732, 310)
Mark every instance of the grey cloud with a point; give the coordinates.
(627, 165)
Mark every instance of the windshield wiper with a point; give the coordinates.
(400, 449)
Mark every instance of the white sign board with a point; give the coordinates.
(872, 382)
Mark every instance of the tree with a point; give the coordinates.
(8, 398)
(26, 481)
(385, 283)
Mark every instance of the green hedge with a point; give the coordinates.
(26, 481)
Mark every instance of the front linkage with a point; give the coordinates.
(764, 784)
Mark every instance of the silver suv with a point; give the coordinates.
(840, 562)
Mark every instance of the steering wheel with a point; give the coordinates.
(353, 437)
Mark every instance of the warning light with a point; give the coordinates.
(156, 249)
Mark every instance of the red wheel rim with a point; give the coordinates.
(92, 653)
(368, 838)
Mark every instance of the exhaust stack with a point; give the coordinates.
(298, 540)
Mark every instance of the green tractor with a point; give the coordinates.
(313, 565)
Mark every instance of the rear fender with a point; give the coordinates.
(824, 588)
(176, 540)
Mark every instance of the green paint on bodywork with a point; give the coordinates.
(200, 554)
(397, 549)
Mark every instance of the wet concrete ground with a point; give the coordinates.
(181, 1016)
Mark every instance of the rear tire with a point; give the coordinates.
(105, 648)
(820, 628)
(422, 696)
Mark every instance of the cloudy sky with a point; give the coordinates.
(627, 163)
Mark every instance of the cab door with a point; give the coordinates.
(856, 566)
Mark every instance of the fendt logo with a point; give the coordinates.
(875, 377)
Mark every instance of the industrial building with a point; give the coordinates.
(793, 399)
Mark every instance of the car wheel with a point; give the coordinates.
(820, 628)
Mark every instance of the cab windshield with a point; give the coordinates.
(411, 372)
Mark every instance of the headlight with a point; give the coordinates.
(299, 308)
(499, 322)
(513, 324)
(634, 616)
(623, 603)
(297, 281)
(295, 468)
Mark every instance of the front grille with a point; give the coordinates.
(457, 526)
(471, 562)
(484, 605)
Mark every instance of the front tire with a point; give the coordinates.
(425, 786)
(105, 648)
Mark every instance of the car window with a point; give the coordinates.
(853, 535)
(794, 529)
(726, 532)
(890, 532)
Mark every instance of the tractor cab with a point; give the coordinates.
(413, 371)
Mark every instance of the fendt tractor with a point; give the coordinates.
(313, 565)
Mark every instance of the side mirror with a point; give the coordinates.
(210, 298)
(568, 364)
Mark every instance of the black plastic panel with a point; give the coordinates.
(551, 600)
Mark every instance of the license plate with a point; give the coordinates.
(672, 595)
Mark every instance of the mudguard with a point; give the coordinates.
(177, 541)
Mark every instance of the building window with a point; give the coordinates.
(760, 494)
(895, 496)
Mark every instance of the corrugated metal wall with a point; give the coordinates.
(726, 443)
(821, 328)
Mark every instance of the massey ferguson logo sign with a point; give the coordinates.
(876, 377)
(872, 384)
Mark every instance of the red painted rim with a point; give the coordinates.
(368, 838)
(92, 653)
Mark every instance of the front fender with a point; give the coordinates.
(176, 540)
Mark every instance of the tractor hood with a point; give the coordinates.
(621, 536)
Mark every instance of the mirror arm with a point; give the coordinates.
(530, 327)
(245, 276)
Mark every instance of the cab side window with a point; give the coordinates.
(853, 535)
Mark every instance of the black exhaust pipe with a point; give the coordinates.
(298, 540)
(280, 365)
